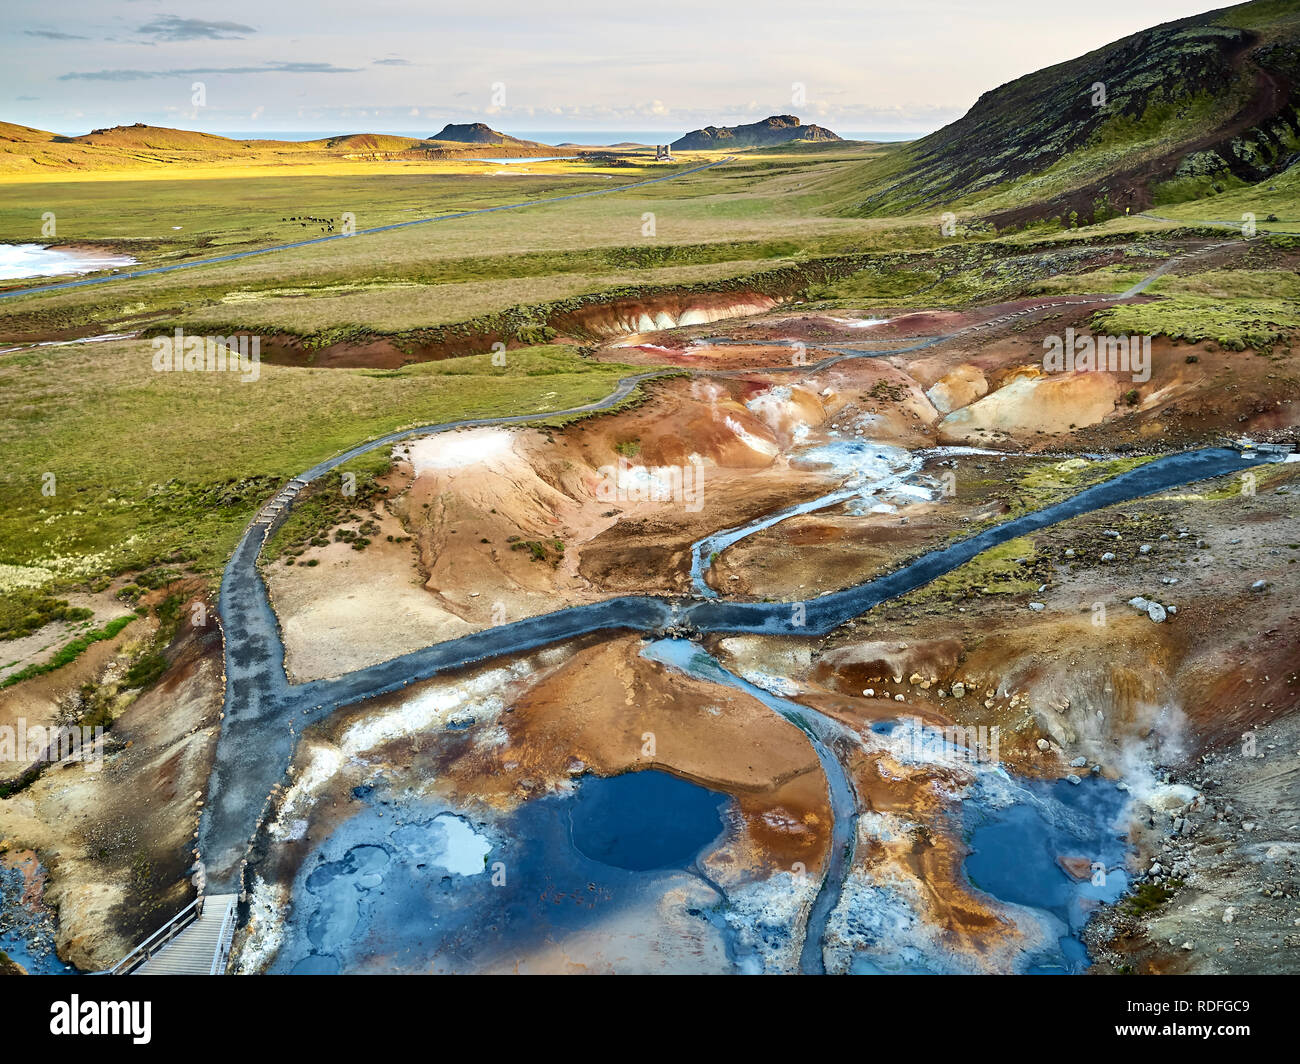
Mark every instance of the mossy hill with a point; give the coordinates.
(1186, 109)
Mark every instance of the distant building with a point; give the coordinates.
(662, 154)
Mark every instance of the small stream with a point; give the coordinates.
(705, 551)
(27, 927)
(877, 477)
(872, 472)
(688, 658)
(1018, 832)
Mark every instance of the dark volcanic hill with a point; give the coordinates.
(779, 129)
(474, 133)
(1182, 110)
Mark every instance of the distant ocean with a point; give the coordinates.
(543, 136)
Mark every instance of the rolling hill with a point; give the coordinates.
(1186, 109)
(28, 151)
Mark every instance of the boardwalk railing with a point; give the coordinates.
(160, 938)
(222, 955)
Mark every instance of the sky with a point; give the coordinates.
(520, 65)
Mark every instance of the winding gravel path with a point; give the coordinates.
(264, 712)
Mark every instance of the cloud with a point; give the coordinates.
(390, 62)
(270, 68)
(55, 35)
(172, 28)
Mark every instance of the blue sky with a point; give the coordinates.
(674, 65)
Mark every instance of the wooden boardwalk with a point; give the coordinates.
(196, 941)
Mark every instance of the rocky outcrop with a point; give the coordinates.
(778, 129)
(474, 133)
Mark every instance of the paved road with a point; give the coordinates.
(264, 712)
(234, 256)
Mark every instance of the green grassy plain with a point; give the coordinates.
(161, 469)
(749, 214)
(167, 468)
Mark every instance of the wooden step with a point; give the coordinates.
(193, 949)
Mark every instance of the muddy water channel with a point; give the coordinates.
(875, 478)
(823, 733)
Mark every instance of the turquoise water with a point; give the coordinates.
(407, 885)
(1015, 850)
(1017, 830)
(27, 935)
(685, 656)
(644, 820)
